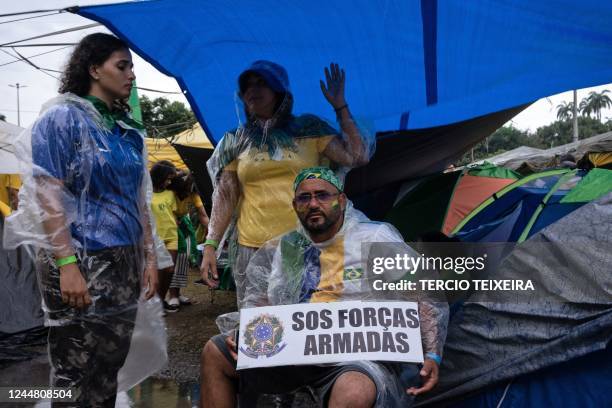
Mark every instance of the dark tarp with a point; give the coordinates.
(571, 384)
(21, 316)
(19, 294)
(415, 153)
(195, 158)
(569, 262)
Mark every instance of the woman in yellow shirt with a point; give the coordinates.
(253, 166)
(164, 207)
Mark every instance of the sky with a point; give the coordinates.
(40, 87)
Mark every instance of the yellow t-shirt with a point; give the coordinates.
(331, 284)
(185, 206)
(6, 181)
(5, 210)
(164, 208)
(265, 211)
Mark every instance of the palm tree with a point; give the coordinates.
(565, 111)
(595, 103)
(585, 108)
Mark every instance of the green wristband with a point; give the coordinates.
(213, 243)
(66, 261)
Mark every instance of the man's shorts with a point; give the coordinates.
(390, 389)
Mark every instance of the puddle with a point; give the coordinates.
(155, 393)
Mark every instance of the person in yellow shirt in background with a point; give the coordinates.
(9, 190)
(188, 202)
(5, 210)
(164, 207)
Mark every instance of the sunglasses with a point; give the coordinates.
(323, 197)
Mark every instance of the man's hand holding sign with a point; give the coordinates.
(314, 320)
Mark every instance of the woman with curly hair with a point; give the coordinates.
(89, 191)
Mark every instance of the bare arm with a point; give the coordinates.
(434, 320)
(352, 152)
(73, 286)
(13, 197)
(203, 217)
(151, 277)
(49, 194)
(224, 201)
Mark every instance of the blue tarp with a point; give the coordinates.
(410, 64)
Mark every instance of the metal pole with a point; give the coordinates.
(575, 136)
(18, 107)
(17, 86)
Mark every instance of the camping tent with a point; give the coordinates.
(524, 207)
(163, 149)
(8, 162)
(440, 202)
(552, 348)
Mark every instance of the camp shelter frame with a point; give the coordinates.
(439, 202)
(563, 179)
(504, 191)
(485, 171)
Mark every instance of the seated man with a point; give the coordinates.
(321, 262)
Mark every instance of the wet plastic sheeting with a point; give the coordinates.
(86, 191)
(254, 165)
(20, 307)
(495, 341)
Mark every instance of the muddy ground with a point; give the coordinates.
(190, 328)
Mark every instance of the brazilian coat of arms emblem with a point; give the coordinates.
(263, 336)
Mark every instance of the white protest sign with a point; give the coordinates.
(315, 333)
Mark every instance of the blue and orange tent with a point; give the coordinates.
(439, 202)
(532, 203)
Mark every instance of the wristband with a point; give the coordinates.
(434, 357)
(337, 110)
(212, 242)
(67, 260)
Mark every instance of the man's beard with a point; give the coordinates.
(317, 227)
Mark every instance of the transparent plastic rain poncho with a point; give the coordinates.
(287, 270)
(86, 192)
(253, 168)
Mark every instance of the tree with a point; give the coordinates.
(565, 110)
(503, 139)
(560, 132)
(555, 134)
(595, 103)
(163, 118)
(2, 117)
